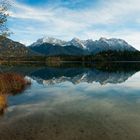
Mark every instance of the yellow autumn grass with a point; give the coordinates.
(10, 84)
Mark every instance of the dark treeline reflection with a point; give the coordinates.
(10, 84)
(78, 72)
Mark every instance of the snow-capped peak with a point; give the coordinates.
(49, 40)
(116, 44)
(54, 41)
(113, 41)
(77, 42)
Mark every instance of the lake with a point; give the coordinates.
(73, 102)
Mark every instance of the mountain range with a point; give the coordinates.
(49, 46)
(53, 46)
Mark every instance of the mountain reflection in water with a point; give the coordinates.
(107, 73)
(85, 75)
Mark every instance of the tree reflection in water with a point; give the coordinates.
(11, 84)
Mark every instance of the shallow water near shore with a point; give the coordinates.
(74, 103)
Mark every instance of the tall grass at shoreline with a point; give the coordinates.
(11, 84)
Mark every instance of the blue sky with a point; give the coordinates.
(85, 19)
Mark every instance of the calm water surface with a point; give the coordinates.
(74, 103)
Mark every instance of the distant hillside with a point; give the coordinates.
(10, 48)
